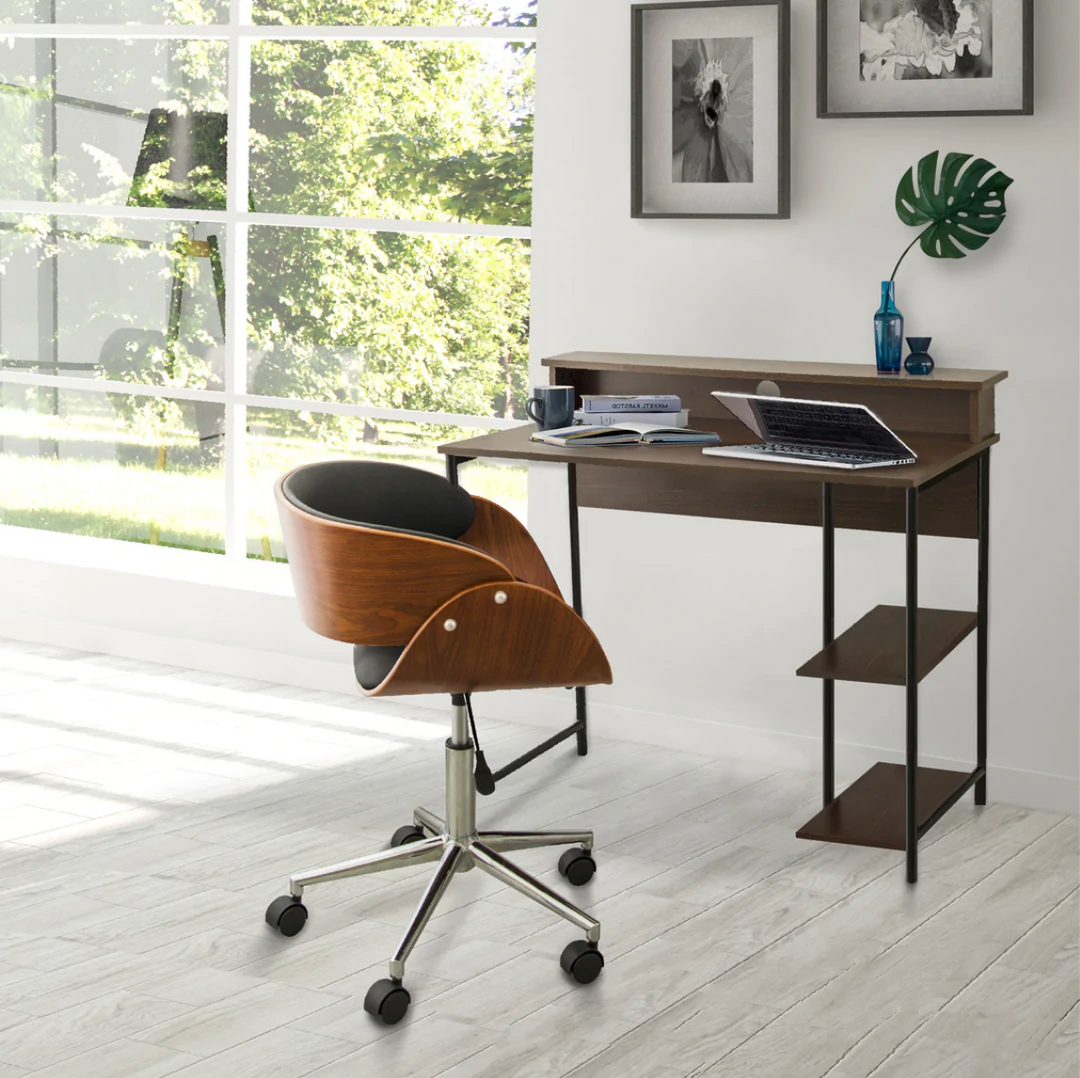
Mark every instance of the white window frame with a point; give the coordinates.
(241, 33)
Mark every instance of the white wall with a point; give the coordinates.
(746, 612)
(713, 668)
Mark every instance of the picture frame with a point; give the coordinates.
(983, 64)
(710, 109)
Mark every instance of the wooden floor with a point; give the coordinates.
(149, 815)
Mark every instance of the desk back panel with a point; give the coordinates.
(949, 508)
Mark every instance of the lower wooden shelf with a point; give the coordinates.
(871, 811)
(873, 649)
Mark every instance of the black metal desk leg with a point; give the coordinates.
(452, 468)
(575, 587)
(983, 638)
(828, 607)
(911, 682)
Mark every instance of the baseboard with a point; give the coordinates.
(550, 709)
(211, 657)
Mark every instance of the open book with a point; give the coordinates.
(629, 432)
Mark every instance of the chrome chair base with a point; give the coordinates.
(457, 846)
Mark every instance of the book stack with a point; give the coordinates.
(606, 410)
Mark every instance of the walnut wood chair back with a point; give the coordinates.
(438, 591)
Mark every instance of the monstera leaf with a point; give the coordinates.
(964, 211)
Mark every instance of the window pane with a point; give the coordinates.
(396, 320)
(393, 130)
(131, 301)
(394, 12)
(168, 12)
(143, 469)
(139, 123)
(279, 441)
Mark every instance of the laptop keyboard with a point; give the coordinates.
(844, 456)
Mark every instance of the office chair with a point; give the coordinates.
(438, 592)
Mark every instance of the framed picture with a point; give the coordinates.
(710, 117)
(925, 58)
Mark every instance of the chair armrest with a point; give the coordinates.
(500, 534)
(529, 640)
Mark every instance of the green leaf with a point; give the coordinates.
(963, 211)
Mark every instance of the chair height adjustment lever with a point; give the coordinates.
(482, 776)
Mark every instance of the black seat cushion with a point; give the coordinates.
(372, 664)
(381, 495)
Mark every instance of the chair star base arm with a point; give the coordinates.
(507, 841)
(429, 822)
(416, 853)
(507, 872)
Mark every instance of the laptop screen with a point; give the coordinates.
(820, 424)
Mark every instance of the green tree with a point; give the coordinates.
(392, 130)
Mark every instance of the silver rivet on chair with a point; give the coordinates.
(500, 597)
(449, 625)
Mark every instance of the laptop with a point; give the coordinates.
(821, 433)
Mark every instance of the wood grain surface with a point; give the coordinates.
(948, 508)
(936, 455)
(923, 409)
(368, 586)
(873, 649)
(531, 640)
(871, 812)
(499, 533)
(851, 373)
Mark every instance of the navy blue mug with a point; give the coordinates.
(551, 407)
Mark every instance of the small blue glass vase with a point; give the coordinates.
(888, 331)
(919, 360)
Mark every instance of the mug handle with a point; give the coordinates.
(531, 414)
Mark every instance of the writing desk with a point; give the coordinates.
(946, 417)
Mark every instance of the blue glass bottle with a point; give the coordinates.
(888, 331)
(919, 360)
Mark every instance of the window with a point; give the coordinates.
(240, 235)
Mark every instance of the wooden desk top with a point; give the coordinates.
(846, 373)
(936, 455)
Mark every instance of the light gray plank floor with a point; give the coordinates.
(148, 814)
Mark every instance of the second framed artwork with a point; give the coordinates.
(711, 129)
(926, 58)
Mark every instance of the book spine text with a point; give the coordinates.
(630, 404)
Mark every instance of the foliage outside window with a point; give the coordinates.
(377, 256)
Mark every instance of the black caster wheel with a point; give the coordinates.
(388, 1001)
(409, 833)
(287, 914)
(577, 866)
(582, 960)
